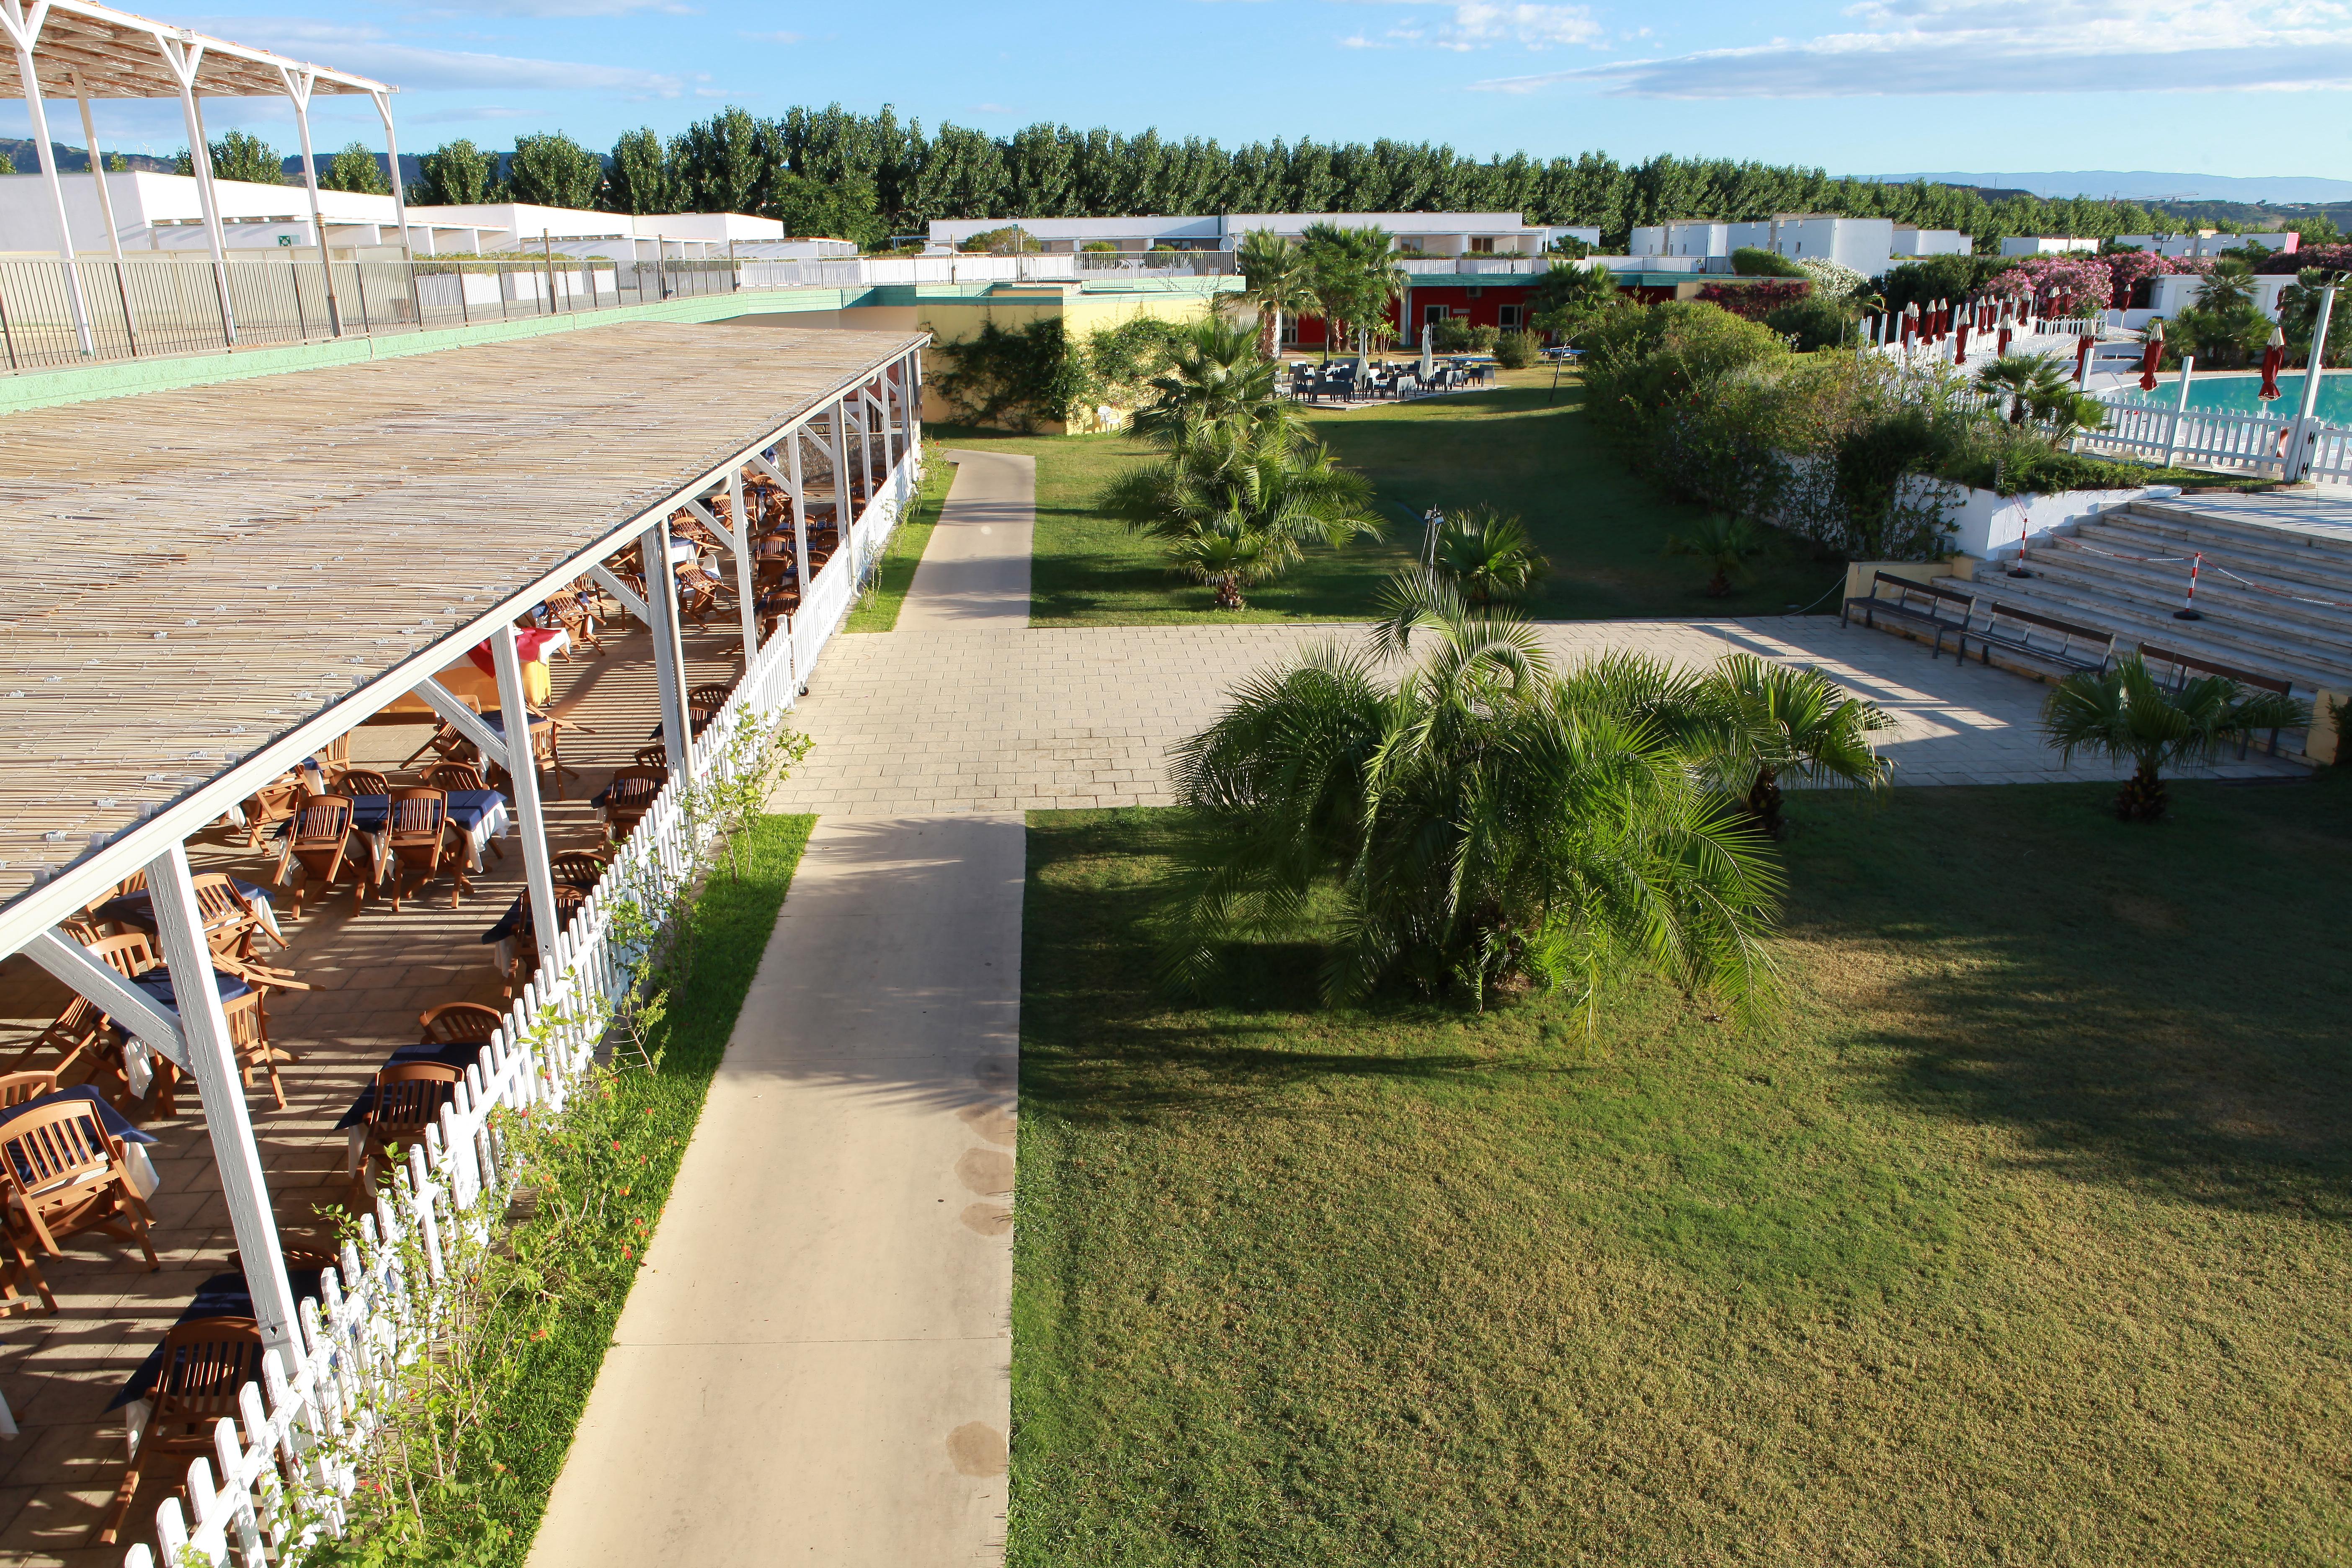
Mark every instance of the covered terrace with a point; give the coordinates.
(241, 596)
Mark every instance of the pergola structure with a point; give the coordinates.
(257, 567)
(96, 51)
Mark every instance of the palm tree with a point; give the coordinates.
(1214, 378)
(1355, 274)
(1725, 545)
(1483, 824)
(2026, 380)
(1569, 300)
(1224, 553)
(1764, 722)
(1488, 557)
(1279, 280)
(2126, 714)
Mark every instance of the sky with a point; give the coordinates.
(2219, 87)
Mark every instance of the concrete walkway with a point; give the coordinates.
(814, 1365)
(974, 574)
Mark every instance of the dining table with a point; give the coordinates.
(138, 908)
(459, 1054)
(136, 1164)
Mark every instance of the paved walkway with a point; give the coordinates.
(974, 574)
(1018, 720)
(814, 1365)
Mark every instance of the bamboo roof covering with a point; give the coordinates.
(119, 54)
(199, 572)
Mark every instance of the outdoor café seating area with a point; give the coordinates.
(1352, 380)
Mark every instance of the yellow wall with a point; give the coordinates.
(952, 321)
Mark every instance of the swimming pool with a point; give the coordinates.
(2234, 393)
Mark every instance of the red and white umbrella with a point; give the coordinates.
(1910, 321)
(2150, 355)
(2273, 358)
(2081, 358)
(2001, 345)
(1961, 342)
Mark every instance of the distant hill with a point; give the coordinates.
(21, 152)
(2146, 185)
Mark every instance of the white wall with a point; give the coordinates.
(2031, 245)
(1916, 242)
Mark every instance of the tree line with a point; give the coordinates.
(871, 177)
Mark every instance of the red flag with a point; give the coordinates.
(2274, 357)
(2150, 355)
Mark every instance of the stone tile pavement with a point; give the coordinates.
(1005, 719)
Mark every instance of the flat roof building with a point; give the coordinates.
(1431, 234)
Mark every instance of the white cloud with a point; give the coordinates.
(466, 116)
(1947, 47)
(1484, 24)
(992, 109)
(370, 51)
(776, 37)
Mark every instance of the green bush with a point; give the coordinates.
(1813, 322)
(2026, 470)
(1646, 363)
(1454, 337)
(1748, 261)
(1941, 278)
(1517, 351)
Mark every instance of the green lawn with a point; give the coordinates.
(1519, 448)
(877, 611)
(2022, 1239)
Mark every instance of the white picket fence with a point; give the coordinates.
(827, 602)
(313, 1421)
(2245, 441)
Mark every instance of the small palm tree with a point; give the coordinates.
(1488, 556)
(2028, 381)
(1765, 722)
(1725, 545)
(1280, 280)
(2126, 714)
(1224, 553)
(1214, 379)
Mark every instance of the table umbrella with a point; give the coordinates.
(2082, 357)
(2151, 354)
(2001, 345)
(1961, 342)
(1910, 321)
(2274, 357)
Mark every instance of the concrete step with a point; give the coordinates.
(2263, 555)
(2162, 589)
(2318, 523)
(2292, 658)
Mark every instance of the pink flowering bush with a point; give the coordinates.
(2083, 282)
(1755, 300)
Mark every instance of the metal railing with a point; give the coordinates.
(142, 308)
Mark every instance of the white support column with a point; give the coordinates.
(150, 1023)
(669, 656)
(744, 577)
(837, 439)
(796, 488)
(2301, 439)
(298, 88)
(183, 56)
(97, 167)
(523, 769)
(211, 1061)
(459, 717)
(392, 167)
(23, 31)
(620, 590)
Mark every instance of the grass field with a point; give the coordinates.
(877, 610)
(1516, 447)
(2020, 1238)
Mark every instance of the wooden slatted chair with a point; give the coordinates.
(15, 1087)
(459, 1023)
(565, 610)
(712, 696)
(248, 1035)
(451, 777)
(424, 845)
(76, 1030)
(319, 842)
(61, 1174)
(408, 1099)
(206, 1362)
(698, 595)
(272, 804)
(629, 796)
(445, 743)
(653, 756)
(361, 781)
(524, 946)
(580, 868)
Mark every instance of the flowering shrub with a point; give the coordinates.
(1754, 301)
(1832, 281)
(2081, 282)
(2326, 258)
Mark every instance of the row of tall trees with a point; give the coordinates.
(870, 177)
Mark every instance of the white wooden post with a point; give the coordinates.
(23, 32)
(669, 656)
(212, 1060)
(914, 399)
(183, 56)
(298, 88)
(392, 167)
(741, 540)
(837, 435)
(2301, 441)
(2179, 411)
(796, 487)
(97, 170)
(522, 768)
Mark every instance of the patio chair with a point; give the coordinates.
(580, 868)
(264, 809)
(422, 845)
(15, 1087)
(628, 797)
(698, 595)
(653, 756)
(206, 1361)
(521, 961)
(231, 923)
(248, 1036)
(61, 1174)
(445, 743)
(451, 777)
(408, 1099)
(712, 696)
(76, 1030)
(580, 628)
(319, 842)
(361, 781)
(459, 1023)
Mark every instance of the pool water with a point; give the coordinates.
(2234, 393)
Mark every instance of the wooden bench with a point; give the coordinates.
(2069, 644)
(1916, 603)
(2184, 663)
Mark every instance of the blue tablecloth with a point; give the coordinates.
(157, 983)
(461, 1055)
(220, 1295)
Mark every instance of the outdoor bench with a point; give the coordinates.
(2069, 644)
(1922, 605)
(2184, 664)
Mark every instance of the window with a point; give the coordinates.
(1482, 245)
(1432, 314)
(1508, 317)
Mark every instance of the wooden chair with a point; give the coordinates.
(423, 845)
(523, 946)
(206, 1362)
(580, 868)
(451, 777)
(445, 743)
(272, 804)
(629, 796)
(653, 756)
(320, 842)
(408, 1099)
(61, 1174)
(15, 1087)
(698, 595)
(457, 1023)
(248, 1035)
(566, 610)
(361, 781)
(231, 923)
(713, 697)
(76, 1030)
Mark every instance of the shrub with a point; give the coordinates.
(1748, 261)
(2326, 258)
(1831, 280)
(1941, 278)
(1517, 351)
(1755, 300)
(1648, 364)
(1815, 322)
(1005, 241)
(1458, 337)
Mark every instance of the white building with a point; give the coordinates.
(2209, 242)
(1911, 243)
(1868, 245)
(2045, 245)
(2168, 297)
(1431, 234)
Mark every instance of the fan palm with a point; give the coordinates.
(1488, 557)
(1224, 553)
(1725, 545)
(2125, 714)
(1355, 274)
(2026, 380)
(1214, 378)
(1570, 300)
(1280, 281)
(1763, 722)
(1483, 824)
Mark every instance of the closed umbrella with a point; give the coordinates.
(2150, 355)
(2000, 344)
(1910, 322)
(1961, 342)
(2274, 357)
(2082, 357)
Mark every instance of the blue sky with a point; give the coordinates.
(2222, 86)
